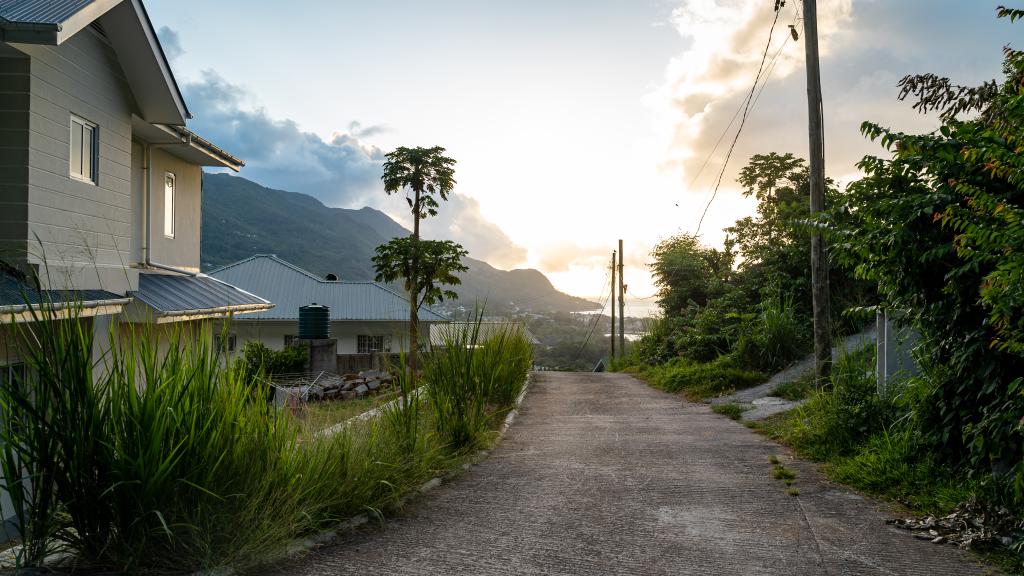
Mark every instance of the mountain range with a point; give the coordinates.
(242, 218)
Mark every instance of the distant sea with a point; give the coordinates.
(634, 308)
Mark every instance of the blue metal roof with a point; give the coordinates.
(179, 294)
(17, 294)
(40, 11)
(289, 287)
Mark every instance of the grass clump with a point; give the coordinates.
(472, 380)
(730, 409)
(160, 458)
(796, 390)
(698, 381)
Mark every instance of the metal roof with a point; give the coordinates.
(17, 295)
(40, 11)
(441, 333)
(289, 287)
(180, 295)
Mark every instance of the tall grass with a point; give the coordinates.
(471, 379)
(161, 459)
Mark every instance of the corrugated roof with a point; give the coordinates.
(179, 294)
(16, 294)
(290, 287)
(440, 333)
(40, 11)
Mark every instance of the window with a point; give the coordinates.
(84, 150)
(169, 205)
(13, 374)
(225, 344)
(369, 344)
(289, 339)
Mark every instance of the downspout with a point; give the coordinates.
(147, 202)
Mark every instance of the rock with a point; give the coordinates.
(350, 376)
(348, 386)
(362, 390)
(348, 394)
(373, 384)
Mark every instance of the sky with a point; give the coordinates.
(573, 122)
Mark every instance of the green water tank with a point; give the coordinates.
(314, 322)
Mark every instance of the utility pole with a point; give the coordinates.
(612, 357)
(622, 307)
(819, 258)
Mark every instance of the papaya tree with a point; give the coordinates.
(426, 176)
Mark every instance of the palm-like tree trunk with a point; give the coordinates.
(414, 320)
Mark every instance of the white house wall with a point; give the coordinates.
(272, 333)
(84, 229)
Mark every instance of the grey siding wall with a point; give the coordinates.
(272, 332)
(84, 229)
(183, 250)
(14, 113)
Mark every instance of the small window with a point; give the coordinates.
(289, 339)
(370, 344)
(169, 205)
(12, 374)
(225, 344)
(84, 150)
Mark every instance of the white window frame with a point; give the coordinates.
(92, 152)
(365, 343)
(169, 203)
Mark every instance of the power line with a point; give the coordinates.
(748, 102)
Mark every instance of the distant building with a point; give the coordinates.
(440, 334)
(365, 317)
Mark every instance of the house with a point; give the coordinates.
(100, 177)
(365, 317)
(441, 334)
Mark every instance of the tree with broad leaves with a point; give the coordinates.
(425, 174)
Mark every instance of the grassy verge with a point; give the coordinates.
(864, 442)
(698, 381)
(317, 416)
(731, 409)
(795, 390)
(161, 459)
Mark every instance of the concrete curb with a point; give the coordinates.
(303, 545)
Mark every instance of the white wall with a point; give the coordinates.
(272, 333)
(84, 229)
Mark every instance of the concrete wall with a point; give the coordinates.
(15, 82)
(272, 333)
(84, 228)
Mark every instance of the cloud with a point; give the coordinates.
(460, 219)
(343, 171)
(170, 42)
(564, 256)
(866, 47)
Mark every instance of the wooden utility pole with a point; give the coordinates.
(622, 307)
(819, 258)
(612, 357)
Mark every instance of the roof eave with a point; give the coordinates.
(217, 155)
(28, 32)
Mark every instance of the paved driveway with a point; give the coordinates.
(603, 475)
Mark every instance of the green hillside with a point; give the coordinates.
(242, 218)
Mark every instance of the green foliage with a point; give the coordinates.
(729, 409)
(260, 359)
(425, 171)
(687, 272)
(471, 379)
(796, 389)
(700, 381)
(160, 461)
(424, 266)
(937, 226)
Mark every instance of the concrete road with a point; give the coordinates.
(603, 475)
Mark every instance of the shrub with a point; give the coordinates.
(699, 381)
(471, 379)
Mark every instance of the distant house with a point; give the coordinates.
(440, 334)
(100, 179)
(365, 317)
